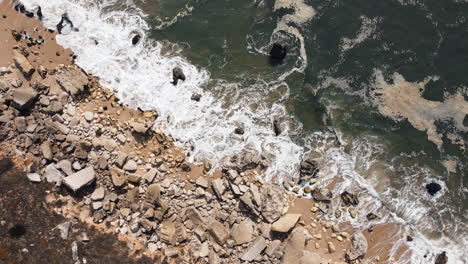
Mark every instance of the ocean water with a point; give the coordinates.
(376, 91)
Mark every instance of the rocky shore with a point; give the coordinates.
(107, 167)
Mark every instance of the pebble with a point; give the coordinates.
(88, 116)
(331, 247)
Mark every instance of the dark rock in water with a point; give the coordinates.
(276, 127)
(433, 188)
(409, 238)
(239, 130)
(39, 13)
(441, 258)
(136, 39)
(177, 74)
(20, 8)
(63, 22)
(196, 97)
(309, 169)
(371, 216)
(278, 53)
(349, 198)
(465, 121)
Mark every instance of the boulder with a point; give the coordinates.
(242, 233)
(358, 247)
(286, 223)
(272, 202)
(53, 175)
(118, 177)
(294, 247)
(196, 97)
(433, 188)
(23, 98)
(121, 159)
(276, 127)
(441, 258)
(349, 198)
(153, 194)
(46, 150)
(218, 187)
(34, 177)
(71, 79)
(23, 64)
(177, 74)
(255, 249)
(4, 85)
(322, 194)
(309, 169)
(278, 53)
(98, 194)
(219, 232)
(136, 39)
(130, 166)
(80, 179)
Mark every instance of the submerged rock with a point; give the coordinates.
(441, 258)
(433, 188)
(278, 52)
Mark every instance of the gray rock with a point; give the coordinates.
(5, 70)
(34, 177)
(242, 233)
(20, 124)
(272, 247)
(202, 182)
(23, 64)
(24, 98)
(255, 249)
(65, 166)
(294, 246)
(71, 79)
(121, 159)
(118, 177)
(322, 194)
(64, 229)
(75, 256)
(98, 194)
(272, 202)
(46, 150)
(218, 187)
(219, 232)
(55, 107)
(140, 128)
(213, 258)
(358, 247)
(88, 116)
(121, 138)
(97, 205)
(76, 165)
(4, 85)
(171, 252)
(286, 223)
(153, 194)
(53, 175)
(150, 175)
(130, 166)
(80, 179)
